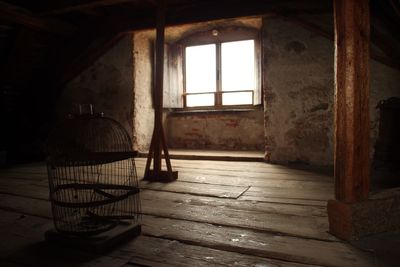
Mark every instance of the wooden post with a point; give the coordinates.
(352, 85)
(158, 142)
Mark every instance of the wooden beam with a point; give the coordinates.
(84, 5)
(158, 141)
(16, 15)
(158, 94)
(352, 85)
(396, 7)
(352, 131)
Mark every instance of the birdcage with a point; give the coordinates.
(92, 175)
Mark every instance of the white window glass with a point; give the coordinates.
(200, 69)
(200, 100)
(239, 98)
(237, 64)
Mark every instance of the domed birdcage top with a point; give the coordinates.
(86, 135)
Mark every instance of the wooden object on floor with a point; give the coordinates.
(158, 142)
(352, 85)
(98, 243)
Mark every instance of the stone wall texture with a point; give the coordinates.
(299, 94)
(294, 125)
(143, 114)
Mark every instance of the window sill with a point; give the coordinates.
(213, 110)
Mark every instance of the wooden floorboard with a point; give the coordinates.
(217, 213)
(250, 242)
(174, 253)
(222, 191)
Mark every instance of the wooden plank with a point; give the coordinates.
(244, 180)
(24, 188)
(26, 206)
(303, 202)
(290, 192)
(352, 85)
(264, 190)
(198, 209)
(25, 246)
(212, 202)
(37, 178)
(263, 216)
(255, 173)
(18, 15)
(249, 242)
(205, 165)
(161, 252)
(40, 192)
(21, 186)
(5, 263)
(257, 167)
(17, 230)
(84, 5)
(223, 191)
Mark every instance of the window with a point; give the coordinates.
(208, 70)
(220, 74)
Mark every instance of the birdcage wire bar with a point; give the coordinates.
(92, 175)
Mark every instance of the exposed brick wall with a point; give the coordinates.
(217, 130)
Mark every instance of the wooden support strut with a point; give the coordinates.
(352, 84)
(158, 142)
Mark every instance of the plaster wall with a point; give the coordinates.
(143, 113)
(298, 91)
(107, 84)
(299, 94)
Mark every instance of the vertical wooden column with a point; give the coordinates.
(352, 100)
(158, 142)
(352, 85)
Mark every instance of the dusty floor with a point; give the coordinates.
(218, 213)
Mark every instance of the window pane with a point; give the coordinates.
(241, 98)
(200, 100)
(238, 65)
(200, 65)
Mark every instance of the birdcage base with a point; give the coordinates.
(163, 176)
(96, 243)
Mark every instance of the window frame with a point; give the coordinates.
(224, 34)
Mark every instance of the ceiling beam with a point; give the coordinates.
(87, 56)
(396, 7)
(17, 15)
(85, 5)
(204, 11)
(329, 35)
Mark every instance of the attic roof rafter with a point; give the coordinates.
(85, 5)
(18, 15)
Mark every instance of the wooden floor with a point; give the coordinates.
(218, 213)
